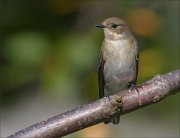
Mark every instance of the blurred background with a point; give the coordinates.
(49, 57)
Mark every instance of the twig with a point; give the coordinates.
(96, 112)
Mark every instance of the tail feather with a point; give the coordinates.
(114, 120)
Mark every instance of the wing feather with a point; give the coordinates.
(101, 77)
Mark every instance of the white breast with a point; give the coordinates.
(119, 59)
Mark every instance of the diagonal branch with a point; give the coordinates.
(96, 112)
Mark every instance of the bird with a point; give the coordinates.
(118, 60)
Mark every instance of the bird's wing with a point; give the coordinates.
(137, 62)
(133, 83)
(101, 77)
(137, 66)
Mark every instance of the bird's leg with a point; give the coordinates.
(132, 85)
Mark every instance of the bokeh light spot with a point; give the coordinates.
(144, 22)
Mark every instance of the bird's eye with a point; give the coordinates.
(114, 26)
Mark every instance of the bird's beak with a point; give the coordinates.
(100, 26)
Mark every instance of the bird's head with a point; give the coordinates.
(114, 28)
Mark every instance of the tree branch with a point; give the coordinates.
(96, 112)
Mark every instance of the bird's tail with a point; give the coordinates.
(114, 120)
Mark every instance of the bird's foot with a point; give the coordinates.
(132, 86)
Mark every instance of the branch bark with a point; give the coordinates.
(96, 112)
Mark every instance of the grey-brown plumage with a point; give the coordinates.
(118, 66)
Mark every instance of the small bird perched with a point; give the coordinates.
(118, 66)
